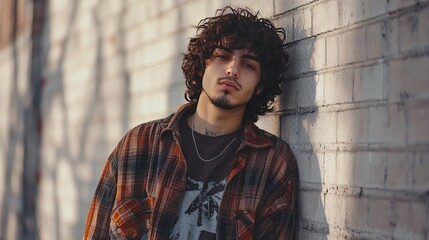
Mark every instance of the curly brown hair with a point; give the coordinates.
(238, 29)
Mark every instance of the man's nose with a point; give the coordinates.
(233, 68)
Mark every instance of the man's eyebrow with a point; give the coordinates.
(246, 55)
(250, 56)
(229, 50)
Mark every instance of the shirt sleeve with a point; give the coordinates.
(98, 220)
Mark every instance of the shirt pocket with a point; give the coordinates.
(131, 219)
(245, 224)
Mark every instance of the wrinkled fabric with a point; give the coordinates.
(142, 185)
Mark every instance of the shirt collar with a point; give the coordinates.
(253, 136)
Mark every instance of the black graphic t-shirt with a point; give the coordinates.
(205, 184)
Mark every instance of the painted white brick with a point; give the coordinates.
(330, 168)
(352, 11)
(132, 38)
(352, 46)
(135, 14)
(408, 79)
(59, 31)
(265, 8)
(352, 126)
(412, 221)
(193, 12)
(171, 21)
(289, 129)
(270, 123)
(399, 170)
(374, 8)
(319, 98)
(380, 215)
(312, 206)
(338, 86)
(357, 213)
(157, 77)
(283, 6)
(335, 204)
(306, 234)
(418, 119)
(310, 166)
(414, 30)
(332, 52)
(289, 97)
(84, 22)
(368, 82)
(325, 16)
(306, 56)
(360, 10)
(345, 168)
(421, 178)
(318, 54)
(377, 45)
(318, 127)
(387, 124)
(302, 23)
(310, 91)
(393, 35)
(370, 169)
(394, 5)
(155, 105)
(214, 5)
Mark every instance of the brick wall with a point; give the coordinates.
(354, 110)
(15, 48)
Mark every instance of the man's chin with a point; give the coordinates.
(222, 103)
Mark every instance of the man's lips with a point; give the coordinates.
(229, 83)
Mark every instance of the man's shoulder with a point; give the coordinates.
(146, 130)
(158, 124)
(275, 153)
(276, 141)
(277, 146)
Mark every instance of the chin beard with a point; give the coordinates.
(222, 101)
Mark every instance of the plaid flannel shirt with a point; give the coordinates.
(140, 191)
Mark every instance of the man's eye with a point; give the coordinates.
(249, 66)
(221, 57)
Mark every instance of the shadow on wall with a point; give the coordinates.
(301, 129)
(56, 167)
(76, 143)
(177, 80)
(11, 194)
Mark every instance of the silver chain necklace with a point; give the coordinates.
(196, 148)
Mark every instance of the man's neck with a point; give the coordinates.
(214, 121)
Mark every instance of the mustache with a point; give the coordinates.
(230, 79)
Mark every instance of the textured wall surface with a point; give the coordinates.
(15, 48)
(356, 113)
(355, 108)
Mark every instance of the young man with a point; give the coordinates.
(207, 172)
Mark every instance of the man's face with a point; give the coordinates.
(231, 77)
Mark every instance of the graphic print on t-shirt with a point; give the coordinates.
(199, 210)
